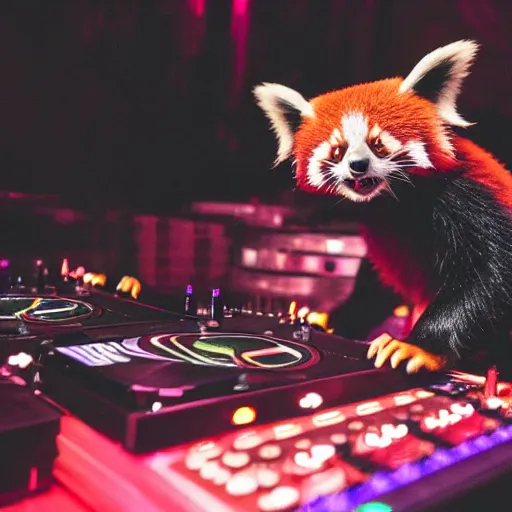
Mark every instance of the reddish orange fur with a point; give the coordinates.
(483, 168)
(406, 116)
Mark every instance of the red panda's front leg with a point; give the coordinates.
(471, 310)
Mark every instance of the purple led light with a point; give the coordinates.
(189, 289)
(4, 263)
(442, 458)
(215, 293)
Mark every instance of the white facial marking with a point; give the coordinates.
(355, 129)
(316, 162)
(355, 134)
(335, 137)
(418, 154)
(391, 144)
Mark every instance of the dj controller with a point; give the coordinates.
(131, 408)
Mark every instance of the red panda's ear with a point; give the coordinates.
(438, 77)
(286, 109)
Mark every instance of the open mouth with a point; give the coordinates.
(362, 186)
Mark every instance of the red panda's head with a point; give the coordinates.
(351, 142)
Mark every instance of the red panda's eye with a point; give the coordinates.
(336, 154)
(378, 147)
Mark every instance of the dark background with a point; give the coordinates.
(148, 103)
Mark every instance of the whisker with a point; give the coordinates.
(390, 190)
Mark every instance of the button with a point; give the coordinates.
(209, 450)
(339, 438)
(318, 455)
(355, 425)
(287, 430)
(270, 451)
(247, 441)
(221, 477)
(267, 477)
(209, 469)
(403, 399)
(281, 498)
(320, 484)
(236, 460)
(195, 461)
(303, 444)
(241, 484)
(328, 418)
(323, 451)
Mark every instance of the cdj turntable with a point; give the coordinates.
(28, 316)
(151, 391)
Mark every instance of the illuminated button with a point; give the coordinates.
(339, 438)
(287, 430)
(404, 399)
(394, 432)
(328, 418)
(373, 440)
(401, 415)
(320, 484)
(209, 469)
(236, 460)
(281, 498)
(267, 477)
(270, 451)
(416, 408)
(318, 455)
(422, 393)
(323, 451)
(311, 401)
(374, 506)
(208, 450)
(243, 416)
(241, 484)
(221, 477)
(302, 444)
(463, 410)
(368, 408)
(494, 403)
(247, 441)
(195, 461)
(355, 426)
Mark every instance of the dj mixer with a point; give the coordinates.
(161, 411)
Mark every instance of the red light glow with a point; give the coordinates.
(64, 269)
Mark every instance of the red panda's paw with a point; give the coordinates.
(130, 285)
(385, 348)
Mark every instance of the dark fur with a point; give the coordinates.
(450, 236)
(446, 243)
(431, 85)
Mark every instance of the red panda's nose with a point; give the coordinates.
(359, 167)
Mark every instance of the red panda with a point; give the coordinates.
(435, 208)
